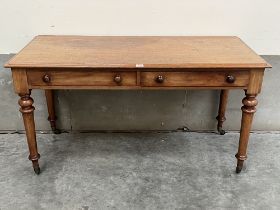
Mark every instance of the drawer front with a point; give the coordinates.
(81, 78)
(195, 79)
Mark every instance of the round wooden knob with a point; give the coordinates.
(230, 79)
(159, 79)
(46, 78)
(118, 79)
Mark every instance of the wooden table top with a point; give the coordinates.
(137, 52)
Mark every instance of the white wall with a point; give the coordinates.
(257, 22)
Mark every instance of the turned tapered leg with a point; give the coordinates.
(27, 111)
(51, 110)
(248, 109)
(222, 110)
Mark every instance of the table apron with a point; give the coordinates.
(84, 79)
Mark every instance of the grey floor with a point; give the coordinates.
(140, 171)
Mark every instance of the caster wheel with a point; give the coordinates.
(238, 169)
(37, 170)
(56, 131)
(221, 131)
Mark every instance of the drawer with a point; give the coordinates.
(80, 78)
(195, 79)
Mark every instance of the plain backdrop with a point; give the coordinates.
(255, 21)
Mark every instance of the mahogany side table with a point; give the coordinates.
(137, 62)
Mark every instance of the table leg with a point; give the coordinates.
(248, 109)
(222, 109)
(51, 110)
(27, 111)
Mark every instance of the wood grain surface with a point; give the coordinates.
(137, 52)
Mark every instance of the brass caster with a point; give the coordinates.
(238, 169)
(221, 131)
(37, 170)
(56, 131)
